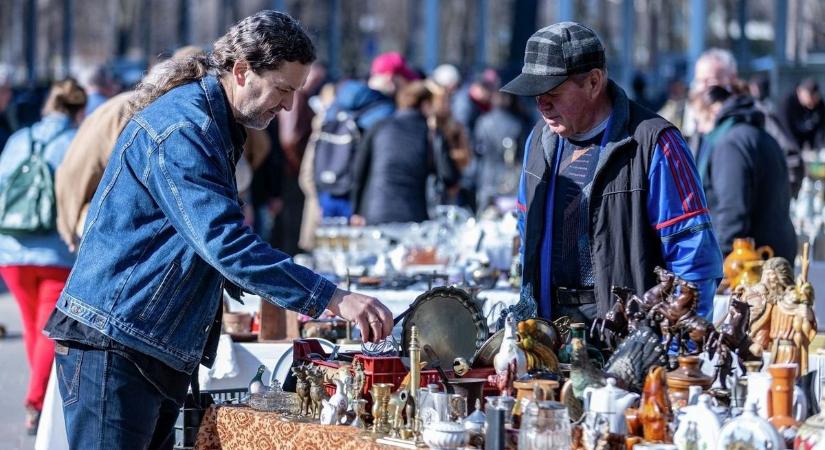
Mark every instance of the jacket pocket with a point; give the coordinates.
(166, 283)
(68, 374)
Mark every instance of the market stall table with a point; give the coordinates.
(229, 427)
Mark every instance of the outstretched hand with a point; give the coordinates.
(371, 316)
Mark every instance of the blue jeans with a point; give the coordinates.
(108, 404)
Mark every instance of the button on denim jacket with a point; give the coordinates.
(165, 229)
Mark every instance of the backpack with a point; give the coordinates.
(27, 198)
(335, 150)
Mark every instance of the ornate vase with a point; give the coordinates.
(780, 397)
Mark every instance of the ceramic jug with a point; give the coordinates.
(749, 431)
(744, 250)
(758, 385)
(610, 401)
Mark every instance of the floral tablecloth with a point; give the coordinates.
(243, 428)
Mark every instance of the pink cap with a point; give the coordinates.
(392, 63)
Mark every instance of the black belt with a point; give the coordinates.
(574, 296)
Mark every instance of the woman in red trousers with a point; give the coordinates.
(35, 265)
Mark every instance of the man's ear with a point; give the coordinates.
(239, 72)
(597, 82)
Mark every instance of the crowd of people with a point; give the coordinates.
(605, 190)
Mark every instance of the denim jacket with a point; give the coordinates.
(42, 250)
(165, 229)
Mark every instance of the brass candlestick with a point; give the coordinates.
(415, 364)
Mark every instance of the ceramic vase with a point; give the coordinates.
(780, 398)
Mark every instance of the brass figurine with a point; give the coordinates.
(302, 390)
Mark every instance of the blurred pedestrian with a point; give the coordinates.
(448, 77)
(99, 84)
(499, 148)
(35, 265)
(803, 114)
(7, 124)
(714, 67)
(88, 153)
(394, 161)
(389, 73)
(743, 172)
(355, 111)
(474, 99)
(759, 89)
(674, 108)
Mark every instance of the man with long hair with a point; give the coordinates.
(164, 236)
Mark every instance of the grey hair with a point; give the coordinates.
(264, 40)
(723, 57)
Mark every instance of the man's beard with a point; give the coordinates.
(252, 117)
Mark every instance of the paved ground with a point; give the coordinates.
(14, 374)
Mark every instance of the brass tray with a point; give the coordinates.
(549, 336)
(449, 321)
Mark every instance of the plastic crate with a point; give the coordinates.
(190, 416)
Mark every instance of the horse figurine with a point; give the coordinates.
(677, 318)
(614, 325)
(661, 292)
(731, 337)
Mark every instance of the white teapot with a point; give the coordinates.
(610, 401)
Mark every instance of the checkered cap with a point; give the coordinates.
(553, 54)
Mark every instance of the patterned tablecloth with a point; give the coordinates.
(243, 428)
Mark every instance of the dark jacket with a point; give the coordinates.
(746, 181)
(807, 126)
(391, 170)
(625, 247)
(789, 145)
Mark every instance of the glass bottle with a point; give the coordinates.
(577, 331)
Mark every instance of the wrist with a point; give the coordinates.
(334, 304)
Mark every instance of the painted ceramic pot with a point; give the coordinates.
(749, 432)
(699, 426)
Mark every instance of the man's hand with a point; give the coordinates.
(372, 317)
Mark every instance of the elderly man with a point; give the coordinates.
(608, 189)
(165, 235)
(714, 67)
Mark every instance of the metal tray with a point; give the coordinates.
(449, 321)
